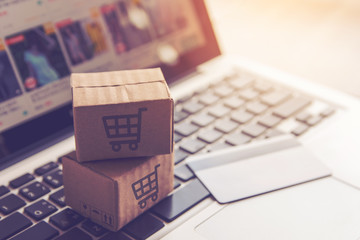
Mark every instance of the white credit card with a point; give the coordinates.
(256, 168)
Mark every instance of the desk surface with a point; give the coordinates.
(315, 39)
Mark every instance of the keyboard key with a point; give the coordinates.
(262, 86)
(185, 129)
(273, 133)
(223, 91)
(192, 107)
(240, 82)
(254, 130)
(40, 210)
(300, 129)
(60, 159)
(208, 99)
(233, 102)
(93, 228)
(73, 234)
(116, 236)
(58, 198)
(218, 111)
(177, 138)
(179, 116)
(291, 106)
(303, 116)
(236, 139)
(209, 136)
(256, 108)
(54, 179)
(269, 120)
(33, 191)
(12, 225)
(18, 182)
(183, 173)
(46, 168)
(327, 112)
(217, 82)
(241, 116)
(226, 126)
(202, 120)
(313, 120)
(10, 203)
(66, 219)
(185, 98)
(249, 94)
(219, 146)
(201, 89)
(41, 231)
(3, 190)
(192, 145)
(180, 156)
(180, 201)
(176, 184)
(274, 98)
(143, 226)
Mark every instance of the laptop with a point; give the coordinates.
(221, 102)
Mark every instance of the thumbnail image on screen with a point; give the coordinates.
(83, 39)
(134, 23)
(111, 17)
(166, 16)
(38, 56)
(9, 87)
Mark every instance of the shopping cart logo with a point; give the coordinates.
(146, 187)
(124, 129)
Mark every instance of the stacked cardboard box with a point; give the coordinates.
(124, 157)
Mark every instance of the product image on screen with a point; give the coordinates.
(165, 16)
(111, 17)
(38, 56)
(9, 86)
(134, 23)
(83, 39)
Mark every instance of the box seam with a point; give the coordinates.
(111, 104)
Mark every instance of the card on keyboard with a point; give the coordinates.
(259, 167)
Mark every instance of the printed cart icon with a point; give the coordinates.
(125, 128)
(146, 187)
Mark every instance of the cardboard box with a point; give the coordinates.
(119, 114)
(113, 192)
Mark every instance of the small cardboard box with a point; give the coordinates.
(122, 114)
(113, 192)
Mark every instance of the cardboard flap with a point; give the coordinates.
(116, 78)
(118, 87)
(119, 94)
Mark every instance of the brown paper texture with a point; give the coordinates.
(113, 192)
(120, 114)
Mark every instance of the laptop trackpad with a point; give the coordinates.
(323, 209)
(259, 167)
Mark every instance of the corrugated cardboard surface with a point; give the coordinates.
(121, 94)
(88, 96)
(155, 131)
(118, 87)
(112, 78)
(106, 187)
(85, 191)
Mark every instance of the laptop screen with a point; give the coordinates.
(43, 41)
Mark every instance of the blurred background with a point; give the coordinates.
(315, 39)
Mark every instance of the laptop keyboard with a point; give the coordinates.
(234, 111)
